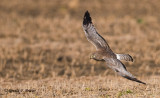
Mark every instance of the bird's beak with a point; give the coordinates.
(90, 57)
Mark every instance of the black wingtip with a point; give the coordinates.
(134, 79)
(87, 19)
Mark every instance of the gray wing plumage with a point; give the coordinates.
(92, 35)
(120, 68)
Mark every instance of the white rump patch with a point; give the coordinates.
(118, 57)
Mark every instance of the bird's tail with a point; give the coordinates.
(126, 57)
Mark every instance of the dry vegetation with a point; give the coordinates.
(91, 86)
(44, 52)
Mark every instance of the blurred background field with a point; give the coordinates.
(42, 39)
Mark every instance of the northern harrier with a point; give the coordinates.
(103, 51)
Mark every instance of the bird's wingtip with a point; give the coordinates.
(86, 12)
(134, 79)
(87, 19)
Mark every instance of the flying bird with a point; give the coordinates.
(104, 52)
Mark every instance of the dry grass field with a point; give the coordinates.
(44, 52)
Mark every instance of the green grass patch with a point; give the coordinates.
(121, 93)
(140, 21)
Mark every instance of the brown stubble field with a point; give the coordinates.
(44, 52)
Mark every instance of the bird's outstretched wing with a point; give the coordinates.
(92, 35)
(120, 68)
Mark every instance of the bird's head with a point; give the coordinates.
(92, 56)
(96, 56)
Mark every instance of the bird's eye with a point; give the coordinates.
(92, 56)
